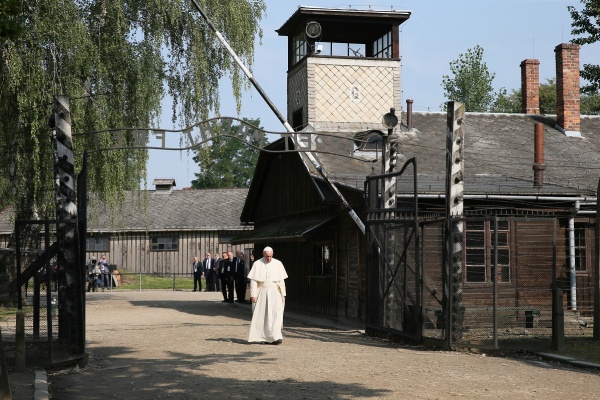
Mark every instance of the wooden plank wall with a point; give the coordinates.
(305, 291)
(351, 289)
(295, 190)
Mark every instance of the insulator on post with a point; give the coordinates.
(393, 155)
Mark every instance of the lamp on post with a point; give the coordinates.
(389, 121)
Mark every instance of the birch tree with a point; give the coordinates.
(116, 59)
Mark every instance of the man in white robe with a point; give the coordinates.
(267, 293)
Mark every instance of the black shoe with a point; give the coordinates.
(194, 290)
(230, 301)
(225, 301)
(279, 341)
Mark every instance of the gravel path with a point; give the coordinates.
(185, 345)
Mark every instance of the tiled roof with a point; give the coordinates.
(205, 209)
(498, 152)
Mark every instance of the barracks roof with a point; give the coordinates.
(498, 155)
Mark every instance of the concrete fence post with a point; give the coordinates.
(558, 320)
(20, 342)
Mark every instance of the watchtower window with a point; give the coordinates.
(334, 32)
(300, 47)
(382, 47)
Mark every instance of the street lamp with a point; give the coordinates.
(390, 120)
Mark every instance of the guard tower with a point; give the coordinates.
(343, 67)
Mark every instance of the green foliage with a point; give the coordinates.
(548, 97)
(9, 24)
(511, 102)
(226, 162)
(587, 23)
(116, 60)
(507, 102)
(471, 81)
(590, 103)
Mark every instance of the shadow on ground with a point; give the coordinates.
(144, 379)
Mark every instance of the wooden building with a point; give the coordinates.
(343, 97)
(158, 231)
(161, 231)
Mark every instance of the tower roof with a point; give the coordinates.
(344, 25)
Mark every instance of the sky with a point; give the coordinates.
(437, 32)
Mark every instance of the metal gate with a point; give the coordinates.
(393, 257)
(41, 296)
(499, 296)
(38, 288)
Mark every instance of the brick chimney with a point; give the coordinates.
(567, 88)
(530, 86)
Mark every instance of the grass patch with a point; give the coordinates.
(582, 349)
(131, 281)
(7, 313)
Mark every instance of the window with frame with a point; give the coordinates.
(382, 47)
(480, 245)
(167, 243)
(323, 255)
(580, 247)
(96, 243)
(300, 47)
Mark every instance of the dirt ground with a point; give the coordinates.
(185, 345)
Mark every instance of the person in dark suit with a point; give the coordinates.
(230, 276)
(239, 271)
(216, 275)
(207, 268)
(226, 278)
(197, 267)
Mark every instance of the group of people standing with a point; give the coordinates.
(267, 289)
(227, 274)
(98, 274)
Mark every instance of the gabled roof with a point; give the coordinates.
(177, 210)
(498, 153)
(205, 209)
(260, 172)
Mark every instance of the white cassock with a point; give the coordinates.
(267, 285)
